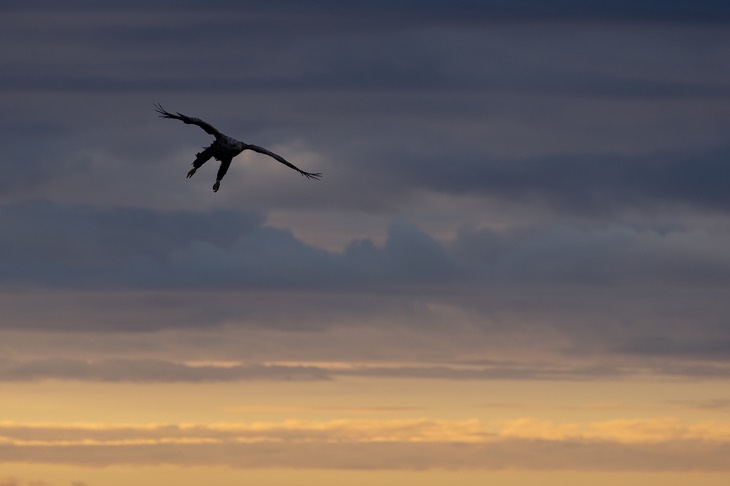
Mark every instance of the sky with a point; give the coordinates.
(515, 268)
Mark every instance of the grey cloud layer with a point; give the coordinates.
(613, 291)
(138, 248)
(150, 371)
(408, 124)
(590, 183)
(323, 51)
(597, 128)
(157, 371)
(620, 10)
(417, 106)
(541, 455)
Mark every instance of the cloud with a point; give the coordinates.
(83, 246)
(593, 184)
(12, 481)
(384, 47)
(678, 348)
(152, 371)
(391, 109)
(86, 247)
(71, 243)
(611, 290)
(467, 11)
(600, 256)
(525, 444)
(581, 148)
(715, 404)
(141, 370)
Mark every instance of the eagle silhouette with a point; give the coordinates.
(225, 148)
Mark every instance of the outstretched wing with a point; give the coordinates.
(187, 119)
(261, 150)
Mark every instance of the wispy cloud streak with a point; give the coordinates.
(650, 445)
(159, 371)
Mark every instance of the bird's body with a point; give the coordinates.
(225, 148)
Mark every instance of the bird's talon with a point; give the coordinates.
(216, 186)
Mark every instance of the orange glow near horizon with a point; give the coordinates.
(398, 431)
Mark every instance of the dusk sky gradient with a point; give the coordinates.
(514, 271)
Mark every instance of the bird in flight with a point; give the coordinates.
(225, 148)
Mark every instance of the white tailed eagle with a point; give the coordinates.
(225, 148)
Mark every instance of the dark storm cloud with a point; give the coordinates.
(333, 46)
(464, 10)
(389, 73)
(80, 245)
(64, 243)
(591, 183)
(370, 97)
(84, 246)
(608, 290)
(597, 256)
(28, 150)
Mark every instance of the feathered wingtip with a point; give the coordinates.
(163, 113)
(312, 175)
